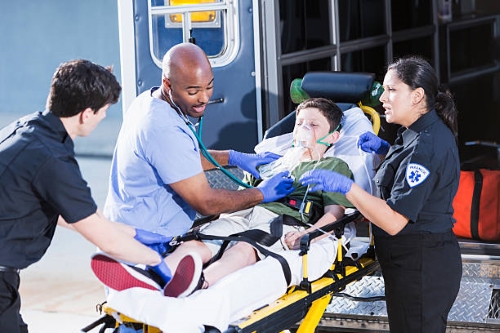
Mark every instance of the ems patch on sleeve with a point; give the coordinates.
(416, 174)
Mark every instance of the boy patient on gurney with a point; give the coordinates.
(238, 282)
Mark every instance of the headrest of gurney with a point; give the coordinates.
(338, 86)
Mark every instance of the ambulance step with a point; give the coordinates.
(477, 304)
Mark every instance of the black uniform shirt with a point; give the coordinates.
(39, 180)
(419, 176)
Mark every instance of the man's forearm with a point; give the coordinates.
(116, 240)
(221, 156)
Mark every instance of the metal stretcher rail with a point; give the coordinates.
(308, 301)
(299, 304)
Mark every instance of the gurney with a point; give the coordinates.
(305, 303)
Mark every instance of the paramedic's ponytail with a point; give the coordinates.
(445, 108)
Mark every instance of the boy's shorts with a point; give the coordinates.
(252, 218)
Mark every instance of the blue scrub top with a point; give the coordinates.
(155, 148)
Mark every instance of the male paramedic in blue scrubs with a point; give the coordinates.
(157, 176)
(41, 184)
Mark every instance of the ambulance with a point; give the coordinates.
(257, 48)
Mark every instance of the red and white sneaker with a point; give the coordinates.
(187, 278)
(119, 276)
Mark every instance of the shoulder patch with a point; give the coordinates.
(416, 174)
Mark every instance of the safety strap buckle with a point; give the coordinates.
(304, 207)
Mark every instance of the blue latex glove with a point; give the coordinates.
(154, 241)
(329, 181)
(276, 187)
(250, 162)
(162, 271)
(371, 143)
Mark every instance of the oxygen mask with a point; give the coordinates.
(304, 139)
(304, 136)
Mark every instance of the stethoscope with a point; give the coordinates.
(203, 148)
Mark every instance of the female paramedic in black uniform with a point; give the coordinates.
(417, 250)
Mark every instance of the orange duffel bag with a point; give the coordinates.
(477, 205)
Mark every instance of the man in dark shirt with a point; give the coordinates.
(41, 184)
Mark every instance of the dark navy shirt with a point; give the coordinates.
(39, 180)
(419, 176)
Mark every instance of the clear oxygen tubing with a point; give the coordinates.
(363, 153)
(302, 205)
(320, 140)
(203, 148)
(305, 138)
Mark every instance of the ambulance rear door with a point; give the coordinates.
(224, 29)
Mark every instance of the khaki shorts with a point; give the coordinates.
(253, 218)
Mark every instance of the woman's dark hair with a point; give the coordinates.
(328, 108)
(418, 73)
(81, 84)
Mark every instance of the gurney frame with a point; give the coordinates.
(308, 301)
(305, 303)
